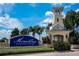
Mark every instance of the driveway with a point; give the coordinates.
(74, 52)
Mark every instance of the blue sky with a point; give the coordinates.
(23, 15)
(30, 14)
(33, 13)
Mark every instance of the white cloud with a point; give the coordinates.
(48, 19)
(43, 25)
(77, 10)
(48, 13)
(5, 33)
(67, 6)
(6, 8)
(63, 14)
(7, 23)
(10, 23)
(45, 22)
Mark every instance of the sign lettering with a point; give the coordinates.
(24, 41)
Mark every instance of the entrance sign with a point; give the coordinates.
(23, 41)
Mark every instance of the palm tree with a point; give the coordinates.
(24, 31)
(36, 29)
(39, 31)
(48, 26)
(33, 30)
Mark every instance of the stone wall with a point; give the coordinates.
(4, 44)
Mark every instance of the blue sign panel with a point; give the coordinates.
(23, 41)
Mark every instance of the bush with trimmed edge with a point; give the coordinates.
(61, 45)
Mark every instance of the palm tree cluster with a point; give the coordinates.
(26, 31)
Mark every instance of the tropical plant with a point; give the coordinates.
(24, 31)
(40, 30)
(33, 30)
(15, 32)
(48, 26)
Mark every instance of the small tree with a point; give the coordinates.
(15, 32)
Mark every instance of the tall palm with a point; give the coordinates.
(24, 31)
(48, 26)
(39, 31)
(32, 30)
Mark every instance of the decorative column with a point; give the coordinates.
(52, 38)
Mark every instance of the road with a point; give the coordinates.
(67, 53)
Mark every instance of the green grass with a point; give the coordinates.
(22, 50)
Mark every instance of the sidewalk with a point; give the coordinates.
(75, 52)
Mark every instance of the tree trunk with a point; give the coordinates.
(40, 40)
(33, 34)
(39, 36)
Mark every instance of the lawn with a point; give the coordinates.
(25, 49)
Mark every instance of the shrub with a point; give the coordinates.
(61, 45)
(73, 40)
(2, 40)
